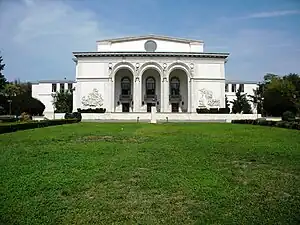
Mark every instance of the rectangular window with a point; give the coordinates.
(233, 87)
(242, 87)
(70, 86)
(226, 87)
(62, 87)
(53, 87)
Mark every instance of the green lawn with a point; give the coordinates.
(93, 173)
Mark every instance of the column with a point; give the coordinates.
(190, 95)
(112, 94)
(166, 94)
(137, 95)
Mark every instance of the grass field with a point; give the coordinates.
(93, 173)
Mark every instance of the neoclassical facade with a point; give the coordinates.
(133, 74)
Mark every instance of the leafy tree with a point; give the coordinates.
(226, 102)
(63, 101)
(281, 94)
(257, 98)
(241, 104)
(3, 80)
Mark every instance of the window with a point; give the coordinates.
(233, 87)
(150, 86)
(125, 86)
(226, 87)
(242, 87)
(175, 86)
(53, 87)
(70, 86)
(62, 87)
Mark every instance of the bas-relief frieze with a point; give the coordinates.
(93, 99)
(206, 99)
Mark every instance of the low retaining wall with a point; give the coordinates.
(134, 116)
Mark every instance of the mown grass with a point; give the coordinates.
(93, 173)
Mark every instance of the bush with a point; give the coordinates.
(74, 115)
(213, 110)
(224, 110)
(202, 110)
(8, 118)
(288, 116)
(264, 122)
(7, 128)
(90, 110)
(25, 117)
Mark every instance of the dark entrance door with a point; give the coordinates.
(175, 107)
(125, 107)
(149, 105)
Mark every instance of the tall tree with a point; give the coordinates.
(241, 104)
(3, 80)
(63, 101)
(281, 94)
(257, 98)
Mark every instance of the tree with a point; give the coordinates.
(281, 93)
(241, 104)
(3, 80)
(63, 101)
(257, 98)
(226, 102)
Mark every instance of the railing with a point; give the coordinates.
(125, 98)
(175, 98)
(150, 98)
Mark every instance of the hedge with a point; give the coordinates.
(213, 110)
(12, 127)
(90, 110)
(8, 118)
(263, 122)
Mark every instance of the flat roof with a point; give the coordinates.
(73, 81)
(53, 81)
(240, 82)
(155, 54)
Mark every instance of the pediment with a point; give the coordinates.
(151, 37)
(150, 43)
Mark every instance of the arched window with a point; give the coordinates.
(175, 86)
(125, 86)
(150, 86)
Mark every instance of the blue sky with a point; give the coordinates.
(37, 37)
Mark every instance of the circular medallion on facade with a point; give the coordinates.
(150, 46)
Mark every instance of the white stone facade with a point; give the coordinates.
(132, 74)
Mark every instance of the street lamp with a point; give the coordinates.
(9, 101)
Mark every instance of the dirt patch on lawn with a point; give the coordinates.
(124, 139)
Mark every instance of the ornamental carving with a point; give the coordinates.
(206, 99)
(94, 99)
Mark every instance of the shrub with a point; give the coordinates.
(25, 117)
(288, 116)
(213, 110)
(74, 115)
(8, 118)
(7, 128)
(202, 110)
(264, 122)
(224, 110)
(90, 110)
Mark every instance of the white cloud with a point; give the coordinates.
(273, 14)
(41, 35)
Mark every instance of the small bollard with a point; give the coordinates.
(167, 119)
(137, 119)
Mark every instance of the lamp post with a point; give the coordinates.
(9, 101)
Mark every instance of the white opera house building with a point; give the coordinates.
(130, 76)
